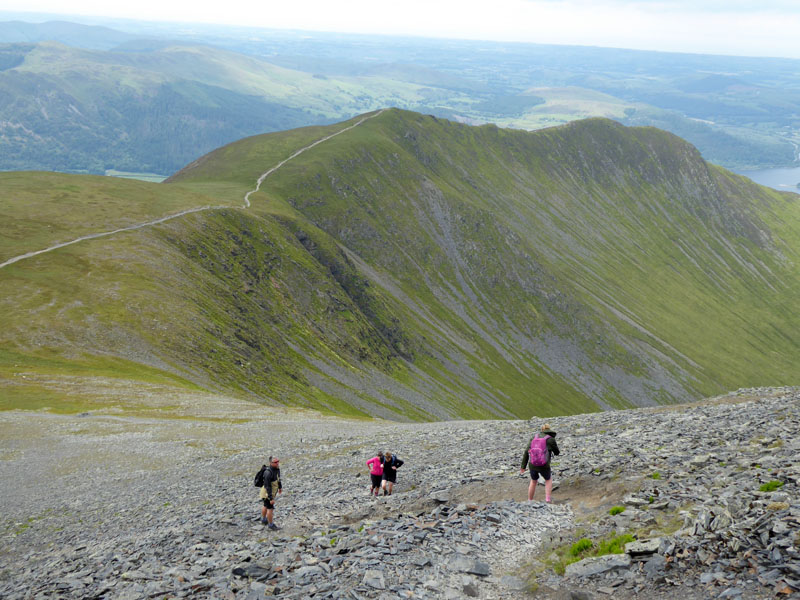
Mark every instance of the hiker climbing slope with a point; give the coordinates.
(537, 456)
(271, 487)
(390, 465)
(375, 465)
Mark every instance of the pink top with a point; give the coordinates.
(375, 466)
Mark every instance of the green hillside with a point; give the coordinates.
(411, 268)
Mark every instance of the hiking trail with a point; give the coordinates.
(246, 205)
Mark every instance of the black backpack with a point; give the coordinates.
(259, 480)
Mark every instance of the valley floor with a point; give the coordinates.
(112, 506)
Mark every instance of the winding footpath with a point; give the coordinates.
(299, 152)
(92, 236)
(260, 180)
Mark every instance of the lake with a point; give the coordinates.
(785, 180)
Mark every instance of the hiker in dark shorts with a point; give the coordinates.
(269, 491)
(375, 465)
(542, 469)
(390, 465)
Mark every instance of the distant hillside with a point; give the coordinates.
(412, 268)
(154, 106)
(149, 99)
(72, 34)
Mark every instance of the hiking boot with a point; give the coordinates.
(273, 527)
(263, 520)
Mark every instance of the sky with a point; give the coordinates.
(736, 27)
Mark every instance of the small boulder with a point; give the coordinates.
(440, 496)
(596, 565)
(643, 547)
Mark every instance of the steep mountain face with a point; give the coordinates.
(415, 268)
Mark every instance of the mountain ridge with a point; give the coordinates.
(424, 269)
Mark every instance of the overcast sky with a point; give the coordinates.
(740, 27)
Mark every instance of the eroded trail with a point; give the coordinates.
(259, 181)
(299, 152)
(92, 236)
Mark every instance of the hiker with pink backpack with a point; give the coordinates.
(537, 456)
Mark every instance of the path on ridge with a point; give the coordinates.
(260, 180)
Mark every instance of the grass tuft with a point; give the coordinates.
(771, 486)
(581, 546)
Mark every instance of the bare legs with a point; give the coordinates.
(548, 489)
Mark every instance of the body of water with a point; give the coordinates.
(786, 180)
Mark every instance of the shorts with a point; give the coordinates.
(376, 480)
(390, 475)
(268, 504)
(545, 472)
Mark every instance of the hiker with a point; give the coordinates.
(537, 456)
(375, 465)
(390, 465)
(271, 488)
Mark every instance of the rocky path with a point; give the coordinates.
(105, 507)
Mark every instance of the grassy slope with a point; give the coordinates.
(472, 377)
(635, 219)
(125, 295)
(43, 209)
(416, 268)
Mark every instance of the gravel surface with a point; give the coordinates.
(113, 506)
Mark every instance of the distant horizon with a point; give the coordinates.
(741, 28)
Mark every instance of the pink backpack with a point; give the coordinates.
(537, 454)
